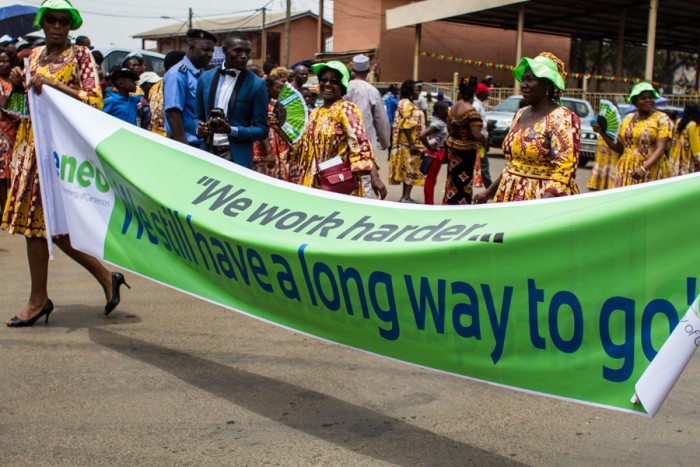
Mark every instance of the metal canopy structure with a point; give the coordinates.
(677, 28)
(664, 24)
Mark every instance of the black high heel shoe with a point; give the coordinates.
(15, 322)
(117, 281)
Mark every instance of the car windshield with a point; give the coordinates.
(579, 108)
(509, 105)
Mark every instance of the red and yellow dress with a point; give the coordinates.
(603, 173)
(639, 139)
(8, 133)
(541, 158)
(334, 131)
(155, 101)
(280, 150)
(24, 213)
(684, 155)
(404, 167)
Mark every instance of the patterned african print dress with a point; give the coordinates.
(639, 139)
(334, 131)
(603, 172)
(279, 147)
(404, 167)
(157, 112)
(23, 213)
(462, 150)
(684, 155)
(8, 132)
(541, 158)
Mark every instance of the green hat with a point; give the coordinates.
(58, 5)
(639, 88)
(334, 65)
(542, 67)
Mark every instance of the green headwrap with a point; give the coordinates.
(61, 5)
(639, 88)
(542, 67)
(337, 66)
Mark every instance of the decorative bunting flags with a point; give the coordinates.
(501, 66)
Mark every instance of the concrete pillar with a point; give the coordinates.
(416, 50)
(651, 39)
(519, 42)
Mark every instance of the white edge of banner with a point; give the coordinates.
(661, 375)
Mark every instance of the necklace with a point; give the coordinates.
(45, 58)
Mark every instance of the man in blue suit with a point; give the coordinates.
(241, 97)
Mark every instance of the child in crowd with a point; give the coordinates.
(118, 102)
(433, 139)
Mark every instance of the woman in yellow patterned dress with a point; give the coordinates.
(71, 70)
(642, 142)
(336, 129)
(684, 155)
(406, 147)
(543, 145)
(603, 171)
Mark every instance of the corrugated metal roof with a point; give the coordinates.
(251, 22)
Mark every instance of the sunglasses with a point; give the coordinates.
(332, 82)
(62, 21)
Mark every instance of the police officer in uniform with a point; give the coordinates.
(180, 85)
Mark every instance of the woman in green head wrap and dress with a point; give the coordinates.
(642, 141)
(71, 70)
(543, 145)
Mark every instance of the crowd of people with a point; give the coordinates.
(232, 111)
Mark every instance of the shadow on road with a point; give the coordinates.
(349, 426)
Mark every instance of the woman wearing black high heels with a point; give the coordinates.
(71, 70)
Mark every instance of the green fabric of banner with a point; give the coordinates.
(570, 298)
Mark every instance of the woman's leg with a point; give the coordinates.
(38, 257)
(94, 267)
(407, 190)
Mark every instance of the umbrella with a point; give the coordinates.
(17, 20)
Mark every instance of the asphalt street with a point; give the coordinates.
(169, 379)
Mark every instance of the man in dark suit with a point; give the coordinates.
(241, 95)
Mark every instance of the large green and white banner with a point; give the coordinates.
(571, 298)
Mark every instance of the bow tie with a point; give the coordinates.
(228, 71)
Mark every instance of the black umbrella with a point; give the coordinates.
(17, 20)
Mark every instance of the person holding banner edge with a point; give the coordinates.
(71, 70)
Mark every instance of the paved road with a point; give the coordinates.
(171, 380)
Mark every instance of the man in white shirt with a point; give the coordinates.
(371, 105)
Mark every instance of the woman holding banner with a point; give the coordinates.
(71, 70)
(336, 130)
(543, 145)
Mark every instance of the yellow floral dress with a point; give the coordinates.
(603, 173)
(684, 155)
(334, 131)
(23, 212)
(639, 139)
(404, 167)
(157, 111)
(541, 158)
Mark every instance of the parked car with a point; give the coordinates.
(115, 56)
(501, 117)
